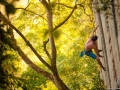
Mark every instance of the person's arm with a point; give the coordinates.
(97, 51)
(93, 31)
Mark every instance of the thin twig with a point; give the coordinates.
(64, 5)
(45, 49)
(31, 12)
(84, 10)
(75, 7)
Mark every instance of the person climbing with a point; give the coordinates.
(90, 44)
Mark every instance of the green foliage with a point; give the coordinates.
(9, 6)
(57, 34)
(7, 68)
(6, 54)
(32, 80)
(80, 73)
(10, 9)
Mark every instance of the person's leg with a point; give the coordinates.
(92, 55)
(99, 62)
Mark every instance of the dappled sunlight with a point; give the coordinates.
(49, 86)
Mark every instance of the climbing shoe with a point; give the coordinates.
(81, 53)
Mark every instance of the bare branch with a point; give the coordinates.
(47, 53)
(27, 42)
(25, 9)
(32, 65)
(66, 18)
(64, 5)
(27, 60)
(85, 10)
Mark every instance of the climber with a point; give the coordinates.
(92, 44)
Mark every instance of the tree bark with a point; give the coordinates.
(56, 79)
(59, 83)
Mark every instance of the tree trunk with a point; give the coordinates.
(57, 80)
(54, 77)
(59, 83)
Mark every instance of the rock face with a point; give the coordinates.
(107, 15)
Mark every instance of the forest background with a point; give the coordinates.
(72, 22)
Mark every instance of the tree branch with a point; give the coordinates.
(66, 18)
(27, 42)
(32, 65)
(64, 5)
(47, 53)
(45, 4)
(85, 11)
(30, 11)
(7, 40)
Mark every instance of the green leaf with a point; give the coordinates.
(57, 34)
(10, 9)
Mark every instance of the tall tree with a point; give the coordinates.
(52, 26)
(54, 76)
